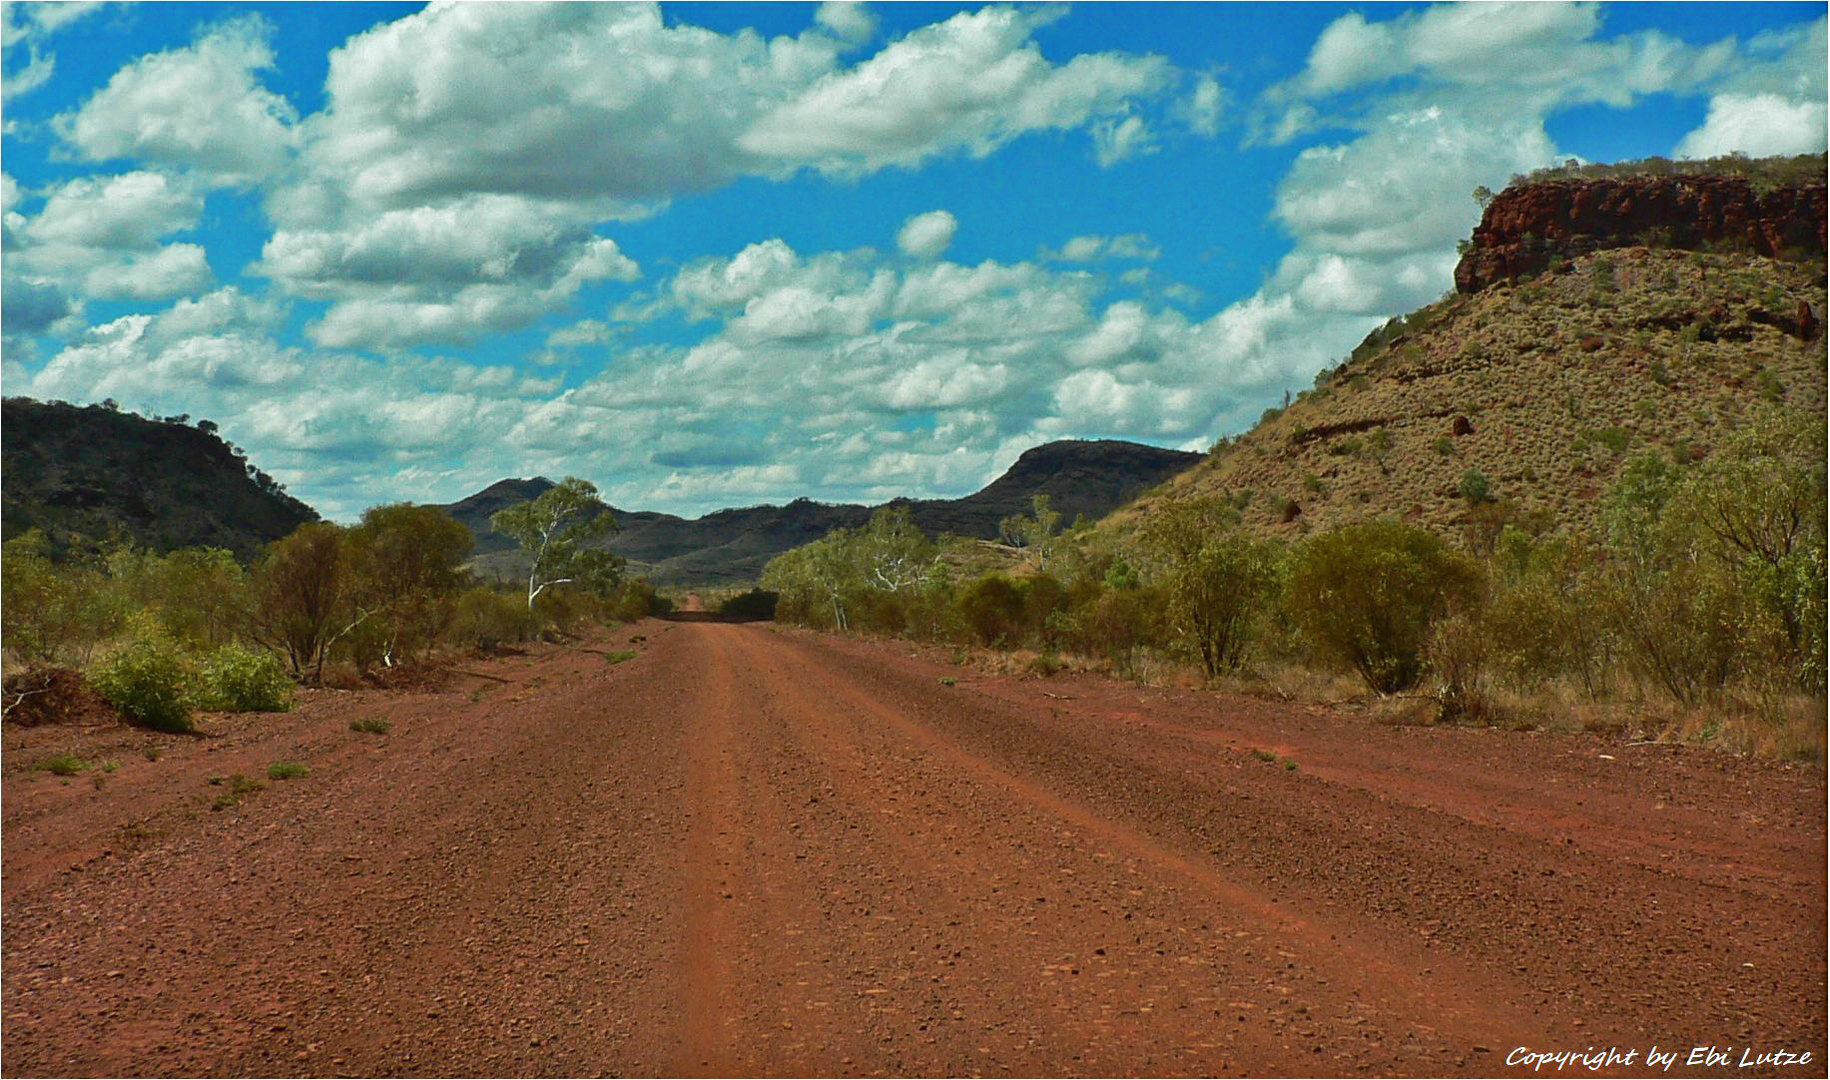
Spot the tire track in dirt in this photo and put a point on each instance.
(1440, 1008)
(712, 871)
(948, 882)
(1623, 952)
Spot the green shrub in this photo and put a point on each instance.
(150, 681)
(621, 655)
(1043, 598)
(1217, 582)
(488, 619)
(1475, 488)
(238, 787)
(637, 599)
(288, 770)
(237, 680)
(1368, 594)
(62, 764)
(371, 725)
(992, 607)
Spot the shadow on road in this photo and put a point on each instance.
(712, 616)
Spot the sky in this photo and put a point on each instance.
(709, 255)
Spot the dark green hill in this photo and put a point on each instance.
(78, 472)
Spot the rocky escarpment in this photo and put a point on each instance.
(1531, 227)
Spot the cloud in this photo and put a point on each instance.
(971, 83)
(474, 266)
(1202, 108)
(33, 307)
(1118, 140)
(36, 73)
(925, 236)
(852, 22)
(103, 236)
(28, 26)
(583, 332)
(196, 108)
(1097, 248)
(172, 270)
(1500, 60)
(1774, 105)
(467, 153)
(1760, 125)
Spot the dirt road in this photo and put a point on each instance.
(755, 851)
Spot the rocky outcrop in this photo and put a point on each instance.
(1527, 229)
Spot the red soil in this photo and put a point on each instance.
(767, 852)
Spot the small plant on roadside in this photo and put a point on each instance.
(288, 770)
(150, 681)
(236, 788)
(109, 766)
(237, 680)
(154, 753)
(1289, 766)
(371, 725)
(63, 764)
(948, 680)
(1264, 755)
(621, 655)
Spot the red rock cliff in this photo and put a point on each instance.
(1526, 228)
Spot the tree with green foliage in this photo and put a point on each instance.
(556, 530)
(1717, 571)
(1037, 533)
(54, 611)
(1368, 594)
(1217, 581)
(406, 564)
(891, 551)
(305, 597)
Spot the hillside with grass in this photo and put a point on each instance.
(1524, 401)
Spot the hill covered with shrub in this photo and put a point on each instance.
(1525, 399)
(84, 471)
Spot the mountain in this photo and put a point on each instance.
(1571, 347)
(729, 546)
(78, 471)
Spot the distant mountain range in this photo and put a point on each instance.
(730, 546)
(78, 472)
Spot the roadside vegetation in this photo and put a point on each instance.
(1696, 607)
(163, 636)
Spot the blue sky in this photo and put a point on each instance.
(709, 255)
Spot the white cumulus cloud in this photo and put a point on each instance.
(198, 107)
(925, 236)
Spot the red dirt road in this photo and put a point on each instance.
(753, 851)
